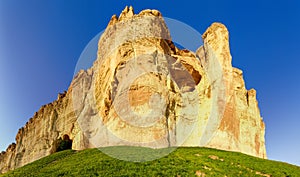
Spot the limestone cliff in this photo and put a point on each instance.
(144, 91)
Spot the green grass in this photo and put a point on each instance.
(183, 161)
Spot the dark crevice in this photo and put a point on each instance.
(167, 124)
(64, 143)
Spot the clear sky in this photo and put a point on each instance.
(41, 41)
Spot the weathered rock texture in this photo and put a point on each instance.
(143, 91)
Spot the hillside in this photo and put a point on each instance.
(183, 161)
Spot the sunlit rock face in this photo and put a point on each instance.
(241, 125)
(144, 91)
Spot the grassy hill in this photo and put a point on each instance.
(183, 161)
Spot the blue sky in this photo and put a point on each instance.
(41, 41)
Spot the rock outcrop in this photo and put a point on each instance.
(144, 91)
(241, 124)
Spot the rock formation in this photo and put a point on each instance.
(144, 91)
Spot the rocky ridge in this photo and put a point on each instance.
(144, 91)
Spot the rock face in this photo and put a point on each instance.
(241, 124)
(144, 91)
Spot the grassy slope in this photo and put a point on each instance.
(184, 161)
